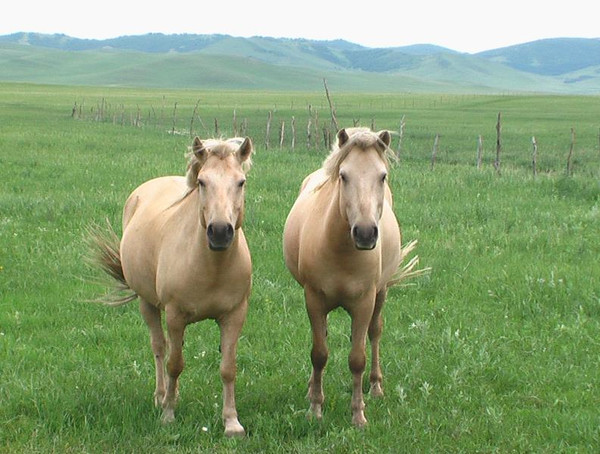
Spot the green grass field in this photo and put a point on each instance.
(495, 351)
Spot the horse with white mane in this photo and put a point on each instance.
(342, 243)
(183, 252)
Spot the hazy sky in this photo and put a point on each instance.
(462, 25)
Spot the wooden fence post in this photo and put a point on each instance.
(269, 118)
(327, 137)
(331, 108)
(400, 136)
(293, 145)
(317, 140)
(570, 156)
(244, 131)
(174, 119)
(235, 126)
(534, 159)
(281, 134)
(435, 150)
(479, 151)
(194, 113)
(498, 143)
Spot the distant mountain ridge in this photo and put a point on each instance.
(562, 65)
(549, 57)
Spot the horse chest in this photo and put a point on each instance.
(205, 291)
(341, 277)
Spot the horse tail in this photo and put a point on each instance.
(104, 245)
(407, 271)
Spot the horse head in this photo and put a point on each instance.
(362, 175)
(217, 169)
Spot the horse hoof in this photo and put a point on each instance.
(376, 390)
(359, 421)
(168, 417)
(316, 411)
(235, 430)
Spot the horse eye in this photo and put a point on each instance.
(201, 183)
(384, 177)
(241, 183)
(343, 177)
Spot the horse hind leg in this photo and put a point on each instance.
(152, 317)
(230, 327)
(319, 352)
(375, 330)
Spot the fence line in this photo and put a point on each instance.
(318, 136)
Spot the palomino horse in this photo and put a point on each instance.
(183, 251)
(342, 243)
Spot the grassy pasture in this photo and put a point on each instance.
(496, 351)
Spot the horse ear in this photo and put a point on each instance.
(245, 150)
(198, 149)
(385, 138)
(342, 137)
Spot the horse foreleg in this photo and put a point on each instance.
(175, 363)
(231, 326)
(361, 317)
(152, 317)
(318, 322)
(375, 330)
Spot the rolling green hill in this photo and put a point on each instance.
(226, 62)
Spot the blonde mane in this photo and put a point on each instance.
(216, 147)
(362, 138)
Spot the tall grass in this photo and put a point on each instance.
(495, 351)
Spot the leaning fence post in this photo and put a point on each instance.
(194, 114)
(400, 136)
(331, 108)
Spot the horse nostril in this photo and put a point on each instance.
(219, 235)
(365, 236)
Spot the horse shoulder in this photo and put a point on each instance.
(143, 218)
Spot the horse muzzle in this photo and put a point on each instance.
(220, 235)
(365, 236)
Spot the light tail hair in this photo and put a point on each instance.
(409, 270)
(104, 253)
